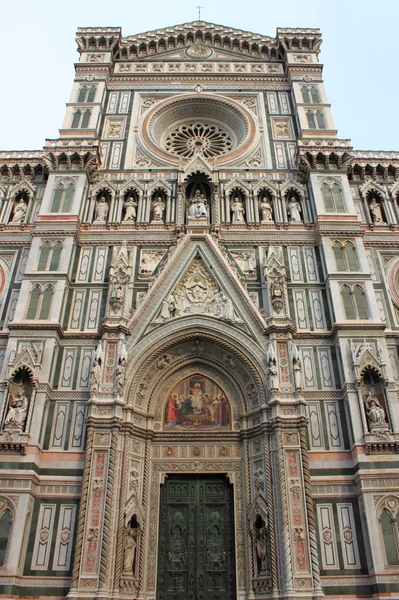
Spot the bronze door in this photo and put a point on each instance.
(196, 539)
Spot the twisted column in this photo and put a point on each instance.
(146, 478)
(83, 506)
(270, 502)
(106, 554)
(247, 479)
(285, 533)
(121, 516)
(310, 513)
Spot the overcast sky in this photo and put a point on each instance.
(359, 51)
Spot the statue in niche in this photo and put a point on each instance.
(159, 209)
(101, 212)
(297, 366)
(277, 293)
(261, 543)
(237, 210)
(259, 481)
(375, 211)
(375, 413)
(20, 211)
(129, 551)
(120, 374)
(95, 375)
(272, 374)
(266, 211)
(294, 210)
(17, 411)
(130, 206)
(198, 206)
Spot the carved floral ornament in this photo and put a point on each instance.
(180, 128)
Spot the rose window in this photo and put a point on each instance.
(202, 138)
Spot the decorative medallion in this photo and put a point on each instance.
(198, 51)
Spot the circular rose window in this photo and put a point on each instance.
(202, 138)
(186, 126)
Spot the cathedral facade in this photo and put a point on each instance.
(199, 312)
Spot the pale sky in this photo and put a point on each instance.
(359, 51)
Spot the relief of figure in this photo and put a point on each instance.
(266, 211)
(101, 212)
(375, 412)
(246, 261)
(237, 210)
(223, 307)
(19, 212)
(197, 209)
(159, 209)
(95, 375)
(17, 411)
(294, 210)
(375, 211)
(129, 551)
(168, 308)
(130, 206)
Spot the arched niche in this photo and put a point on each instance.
(196, 403)
(19, 398)
(373, 394)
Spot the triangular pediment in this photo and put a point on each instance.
(197, 282)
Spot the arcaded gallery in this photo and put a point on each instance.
(199, 319)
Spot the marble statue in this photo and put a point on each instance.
(17, 411)
(19, 212)
(198, 209)
(294, 210)
(237, 211)
(129, 551)
(266, 211)
(159, 209)
(130, 209)
(375, 412)
(375, 211)
(101, 213)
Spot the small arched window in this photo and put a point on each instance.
(333, 197)
(47, 296)
(76, 119)
(81, 119)
(390, 537)
(351, 257)
(339, 256)
(34, 302)
(347, 299)
(82, 94)
(91, 94)
(311, 120)
(40, 302)
(360, 302)
(321, 124)
(306, 95)
(85, 120)
(44, 257)
(55, 258)
(62, 198)
(5, 530)
(314, 92)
